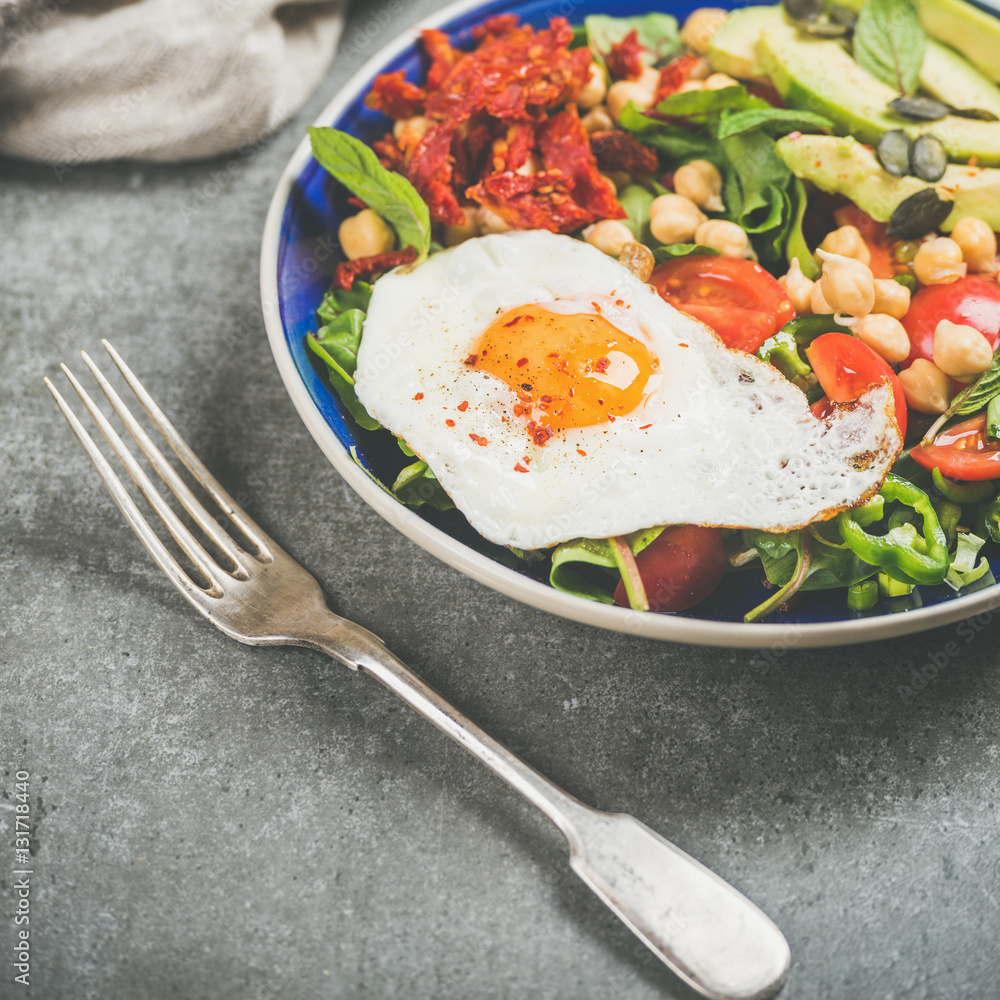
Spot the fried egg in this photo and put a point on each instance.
(555, 396)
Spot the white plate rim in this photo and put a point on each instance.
(665, 627)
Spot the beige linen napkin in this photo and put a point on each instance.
(84, 80)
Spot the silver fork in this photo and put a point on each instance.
(711, 935)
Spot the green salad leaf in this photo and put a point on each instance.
(774, 121)
(889, 43)
(796, 247)
(699, 104)
(980, 393)
(572, 560)
(356, 166)
(636, 201)
(417, 484)
(660, 254)
(964, 569)
(657, 33)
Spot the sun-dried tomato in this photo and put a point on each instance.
(619, 150)
(395, 96)
(624, 61)
(443, 56)
(496, 27)
(538, 201)
(389, 153)
(367, 267)
(430, 169)
(565, 146)
(673, 75)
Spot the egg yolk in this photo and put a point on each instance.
(573, 370)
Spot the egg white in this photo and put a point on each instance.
(731, 441)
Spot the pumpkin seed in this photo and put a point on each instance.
(919, 109)
(928, 159)
(980, 114)
(824, 27)
(843, 15)
(893, 152)
(804, 10)
(918, 215)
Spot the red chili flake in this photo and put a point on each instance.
(471, 359)
(526, 460)
(464, 405)
(419, 395)
(624, 61)
(682, 345)
(612, 418)
(450, 423)
(645, 427)
(602, 365)
(514, 321)
(600, 402)
(520, 410)
(368, 267)
(580, 451)
(619, 302)
(519, 468)
(597, 307)
(554, 354)
(545, 399)
(572, 391)
(522, 362)
(481, 441)
(540, 435)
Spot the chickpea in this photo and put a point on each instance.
(609, 236)
(453, 235)
(489, 222)
(926, 387)
(939, 262)
(961, 351)
(409, 131)
(728, 238)
(691, 85)
(847, 284)
(365, 235)
(700, 181)
(700, 26)
(848, 242)
(978, 243)
(818, 305)
(719, 81)
(594, 90)
(597, 119)
(798, 287)
(650, 78)
(885, 335)
(624, 91)
(891, 298)
(674, 219)
(701, 70)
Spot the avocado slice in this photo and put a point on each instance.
(949, 77)
(968, 29)
(818, 74)
(733, 48)
(845, 166)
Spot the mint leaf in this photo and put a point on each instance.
(775, 121)
(889, 43)
(356, 166)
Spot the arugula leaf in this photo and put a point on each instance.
(657, 33)
(775, 121)
(570, 577)
(636, 201)
(390, 194)
(889, 43)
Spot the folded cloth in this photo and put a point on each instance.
(84, 80)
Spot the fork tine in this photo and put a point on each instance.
(168, 474)
(194, 464)
(130, 510)
(194, 550)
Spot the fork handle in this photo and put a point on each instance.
(710, 934)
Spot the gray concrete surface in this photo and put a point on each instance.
(214, 822)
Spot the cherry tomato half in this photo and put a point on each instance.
(845, 367)
(737, 298)
(680, 568)
(962, 452)
(973, 301)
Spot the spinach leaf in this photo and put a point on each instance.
(796, 247)
(774, 121)
(390, 194)
(337, 344)
(416, 485)
(657, 33)
(889, 43)
(636, 200)
(569, 562)
(337, 301)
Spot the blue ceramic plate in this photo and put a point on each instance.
(297, 261)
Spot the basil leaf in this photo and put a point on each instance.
(390, 194)
(889, 43)
(980, 393)
(636, 201)
(657, 33)
(775, 121)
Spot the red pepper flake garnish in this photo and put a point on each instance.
(597, 308)
(519, 468)
(481, 441)
(450, 423)
(540, 435)
(368, 267)
(419, 395)
(554, 354)
(572, 391)
(471, 359)
(463, 406)
(522, 362)
(645, 427)
(580, 451)
(602, 365)
(514, 321)
(682, 345)
(619, 302)
(545, 399)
